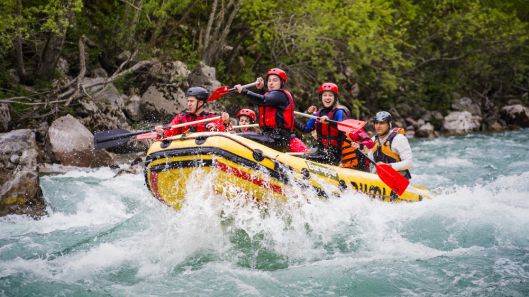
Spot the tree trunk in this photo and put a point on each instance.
(50, 56)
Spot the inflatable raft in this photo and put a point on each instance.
(239, 166)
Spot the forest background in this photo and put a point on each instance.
(409, 55)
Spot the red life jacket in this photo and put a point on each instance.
(273, 117)
(329, 135)
(190, 117)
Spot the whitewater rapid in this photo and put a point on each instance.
(107, 235)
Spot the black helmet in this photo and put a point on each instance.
(198, 92)
(383, 116)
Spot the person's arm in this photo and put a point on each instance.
(219, 125)
(402, 147)
(310, 125)
(340, 116)
(173, 131)
(274, 98)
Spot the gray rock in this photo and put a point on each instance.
(99, 72)
(20, 192)
(12, 75)
(461, 122)
(411, 121)
(204, 76)
(103, 110)
(426, 131)
(514, 102)
(159, 103)
(175, 73)
(63, 67)
(72, 144)
(493, 124)
(5, 117)
(466, 104)
(132, 108)
(517, 115)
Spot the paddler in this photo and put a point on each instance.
(391, 146)
(276, 110)
(196, 101)
(329, 138)
(246, 116)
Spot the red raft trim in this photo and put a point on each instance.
(248, 177)
(154, 185)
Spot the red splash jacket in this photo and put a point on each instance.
(216, 125)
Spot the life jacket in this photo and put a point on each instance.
(273, 117)
(190, 117)
(384, 153)
(352, 158)
(329, 135)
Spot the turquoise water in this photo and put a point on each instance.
(107, 236)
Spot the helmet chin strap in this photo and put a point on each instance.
(199, 107)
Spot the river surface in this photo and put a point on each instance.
(107, 236)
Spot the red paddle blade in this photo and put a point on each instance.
(351, 125)
(392, 178)
(150, 135)
(218, 93)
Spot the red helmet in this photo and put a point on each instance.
(276, 71)
(329, 87)
(247, 112)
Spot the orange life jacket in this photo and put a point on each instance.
(382, 152)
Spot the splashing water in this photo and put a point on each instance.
(109, 236)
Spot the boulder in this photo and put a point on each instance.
(461, 122)
(493, 124)
(204, 76)
(132, 108)
(516, 115)
(162, 103)
(103, 110)
(173, 74)
(5, 117)
(466, 104)
(20, 191)
(72, 144)
(426, 131)
(433, 117)
(412, 122)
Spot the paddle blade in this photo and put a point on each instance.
(111, 138)
(218, 93)
(392, 178)
(350, 125)
(150, 135)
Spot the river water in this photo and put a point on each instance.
(107, 236)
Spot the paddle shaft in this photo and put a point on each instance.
(243, 86)
(317, 118)
(246, 126)
(150, 135)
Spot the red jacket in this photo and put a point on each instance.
(216, 125)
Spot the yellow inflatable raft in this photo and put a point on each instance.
(239, 166)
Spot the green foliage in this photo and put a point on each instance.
(381, 53)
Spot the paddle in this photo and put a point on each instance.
(246, 126)
(151, 135)
(111, 138)
(221, 91)
(391, 177)
(346, 126)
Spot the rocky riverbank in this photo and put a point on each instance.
(153, 96)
